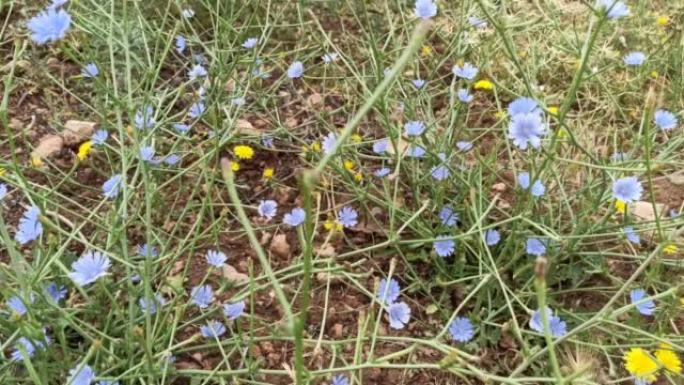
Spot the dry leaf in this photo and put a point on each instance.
(401, 145)
(315, 100)
(279, 246)
(233, 275)
(48, 146)
(326, 251)
(243, 126)
(76, 131)
(499, 187)
(677, 178)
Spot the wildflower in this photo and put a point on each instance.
(329, 143)
(55, 292)
(172, 159)
(81, 375)
(197, 71)
(29, 228)
(196, 109)
(668, 359)
(148, 305)
(399, 315)
(234, 310)
(468, 71)
(665, 120)
(640, 364)
(386, 72)
(662, 20)
(616, 9)
(418, 83)
(250, 43)
(526, 128)
(553, 110)
(17, 305)
(464, 96)
(415, 151)
(181, 128)
(49, 25)
(492, 237)
(238, 101)
(461, 329)
(557, 327)
(267, 141)
(295, 217)
(634, 59)
(535, 246)
(90, 70)
(99, 137)
(620, 206)
(425, 51)
(235, 166)
(440, 173)
(523, 105)
(267, 209)
(329, 57)
(340, 380)
(670, 249)
(483, 84)
(537, 189)
(296, 70)
(631, 235)
(477, 22)
(380, 147)
(388, 291)
(627, 189)
(3, 191)
(448, 216)
(202, 296)
(382, 172)
(347, 216)
(348, 165)
(315, 147)
(146, 153)
(188, 13)
(89, 267)
(243, 151)
(145, 250)
(646, 307)
(180, 43)
(213, 329)
(57, 3)
(267, 173)
(28, 345)
(443, 246)
(464, 145)
(144, 118)
(216, 258)
(425, 9)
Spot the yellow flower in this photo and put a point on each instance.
(562, 133)
(501, 115)
(553, 110)
(36, 161)
(640, 364)
(349, 165)
(483, 85)
(662, 20)
(681, 302)
(243, 152)
(331, 225)
(316, 147)
(356, 138)
(668, 359)
(620, 206)
(268, 173)
(2, 172)
(235, 166)
(358, 176)
(84, 150)
(670, 249)
(129, 130)
(654, 74)
(425, 51)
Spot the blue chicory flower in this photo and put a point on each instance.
(144, 118)
(631, 235)
(29, 228)
(414, 128)
(492, 237)
(647, 307)
(523, 105)
(250, 43)
(557, 327)
(616, 9)
(443, 246)
(146, 153)
(267, 209)
(634, 58)
(202, 296)
(55, 292)
(464, 96)
(81, 375)
(399, 315)
(526, 129)
(388, 291)
(295, 217)
(197, 71)
(213, 329)
(90, 70)
(296, 70)
(382, 172)
(340, 380)
(329, 57)
(535, 246)
(99, 137)
(467, 71)
(461, 329)
(347, 216)
(196, 109)
(329, 143)
(380, 147)
(665, 120)
(418, 83)
(151, 304)
(425, 9)
(181, 43)
(89, 267)
(448, 216)
(50, 25)
(234, 310)
(627, 189)
(216, 258)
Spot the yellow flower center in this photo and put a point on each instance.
(243, 151)
(84, 150)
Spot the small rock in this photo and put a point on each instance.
(326, 251)
(336, 330)
(233, 275)
(677, 178)
(644, 210)
(77, 131)
(315, 100)
(279, 246)
(49, 145)
(499, 187)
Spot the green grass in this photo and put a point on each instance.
(312, 312)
